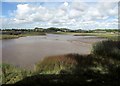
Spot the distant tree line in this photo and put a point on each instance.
(53, 29)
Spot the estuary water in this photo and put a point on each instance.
(26, 51)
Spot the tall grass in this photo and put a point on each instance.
(56, 64)
(74, 64)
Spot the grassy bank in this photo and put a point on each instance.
(9, 36)
(111, 36)
(108, 35)
(5, 36)
(101, 67)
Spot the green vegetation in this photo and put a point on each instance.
(71, 64)
(56, 64)
(103, 55)
(8, 36)
(101, 67)
(12, 74)
(108, 49)
(32, 34)
(111, 36)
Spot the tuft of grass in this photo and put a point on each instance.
(12, 74)
(55, 64)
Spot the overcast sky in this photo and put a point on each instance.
(72, 15)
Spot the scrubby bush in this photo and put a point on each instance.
(109, 49)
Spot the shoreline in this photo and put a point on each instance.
(6, 36)
(99, 35)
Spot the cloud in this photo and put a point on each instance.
(66, 4)
(66, 14)
(60, 0)
(31, 13)
(81, 6)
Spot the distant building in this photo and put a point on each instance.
(100, 31)
(38, 29)
(58, 31)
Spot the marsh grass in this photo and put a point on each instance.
(54, 64)
(88, 70)
(109, 36)
(66, 70)
(12, 74)
(5, 36)
(74, 64)
(9, 36)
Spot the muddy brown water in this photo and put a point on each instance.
(26, 51)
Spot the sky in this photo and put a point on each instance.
(65, 14)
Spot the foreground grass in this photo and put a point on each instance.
(70, 69)
(75, 64)
(12, 74)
